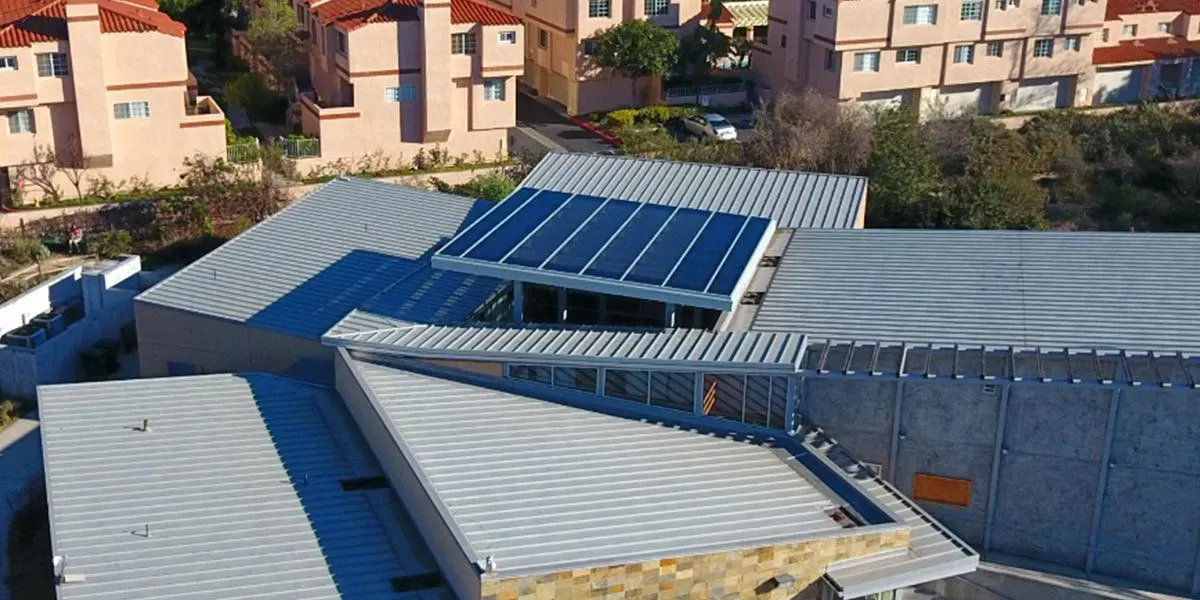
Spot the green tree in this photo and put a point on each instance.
(272, 32)
(491, 186)
(111, 244)
(636, 49)
(979, 202)
(700, 50)
(904, 177)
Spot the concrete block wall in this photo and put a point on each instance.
(1104, 479)
(735, 574)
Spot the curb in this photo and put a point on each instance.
(598, 133)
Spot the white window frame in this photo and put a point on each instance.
(136, 109)
(971, 11)
(1164, 27)
(1043, 48)
(599, 9)
(1051, 7)
(1129, 31)
(1074, 43)
(866, 62)
(920, 14)
(24, 125)
(827, 11)
(655, 7)
(405, 93)
(830, 60)
(507, 37)
(964, 54)
(1104, 34)
(52, 64)
(463, 44)
(494, 89)
(908, 56)
(343, 42)
(995, 49)
(8, 63)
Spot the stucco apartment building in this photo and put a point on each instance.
(395, 77)
(1148, 50)
(104, 84)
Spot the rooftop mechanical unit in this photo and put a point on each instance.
(28, 336)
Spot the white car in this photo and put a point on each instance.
(710, 125)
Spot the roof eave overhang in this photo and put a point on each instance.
(861, 587)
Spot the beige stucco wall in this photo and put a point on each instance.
(734, 574)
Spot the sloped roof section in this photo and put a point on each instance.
(24, 23)
(302, 270)
(1115, 8)
(747, 14)
(616, 348)
(1146, 50)
(1082, 290)
(353, 14)
(793, 199)
(545, 487)
(249, 504)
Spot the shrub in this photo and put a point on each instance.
(10, 411)
(247, 91)
(112, 244)
(654, 114)
(490, 186)
(622, 118)
(27, 250)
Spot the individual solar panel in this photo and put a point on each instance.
(512, 232)
(591, 238)
(547, 238)
(661, 256)
(463, 241)
(737, 261)
(625, 248)
(707, 252)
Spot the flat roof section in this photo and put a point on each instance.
(545, 487)
(236, 491)
(792, 199)
(667, 254)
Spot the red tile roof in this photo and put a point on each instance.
(23, 22)
(1146, 51)
(725, 18)
(1116, 8)
(353, 14)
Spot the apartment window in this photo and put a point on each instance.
(599, 9)
(1104, 35)
(1164, 28)
(812, 9)
(543, 38)
(828, 11)
(971, 11)
(1051, 7)
(830, 60)
(908, 56)
(964, 53)
(739, 33)
(924, 14)
(760, 34)
(20, 121)
(783, 41)
(657, 7)
(341, 40)
(8, 63)
(1007, 4)
(1073, 43)
(1129, 31)
(52, 64)
(493, 89)
(589, 47)
(1043, 48)
(403, 94)
(462, 43)
(866, 61)
(995, 49)
(131, 110)
(508, 37)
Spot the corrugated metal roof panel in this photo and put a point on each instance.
(626, 348)
(304, 269)
(239, 482)
(993, 288)
(542, 486)
(793, 199)
(747, 14)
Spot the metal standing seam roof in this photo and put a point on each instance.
(650, 251)
(302, 270)
(933, 553)
(238, 480)
(593, 347)
(990, 288)
(793, 199)
(543, 487)
(748, 14)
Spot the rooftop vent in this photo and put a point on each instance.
(843, 517)
(363, 483)
(769, 261)
(752, 298)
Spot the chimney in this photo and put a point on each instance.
(86, 72)
(436, 80)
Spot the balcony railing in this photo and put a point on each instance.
(300, 147)
(704, 90)
(242, 153)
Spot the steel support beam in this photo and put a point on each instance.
(518, 302)
(998, 450)
(897, 410)
(1102, 479)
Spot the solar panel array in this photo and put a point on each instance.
(641, 245)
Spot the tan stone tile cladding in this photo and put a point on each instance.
(737, 574)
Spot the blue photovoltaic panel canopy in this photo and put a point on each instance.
(650, 251)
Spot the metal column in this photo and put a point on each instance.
(518, 302)
(1102, 480)
(994, 481)
(897, 411)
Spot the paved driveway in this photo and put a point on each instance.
(556, 127)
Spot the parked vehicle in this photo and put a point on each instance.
(710, 125)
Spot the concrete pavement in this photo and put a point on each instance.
(555, 127)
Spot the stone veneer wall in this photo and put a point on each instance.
(735, 574)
